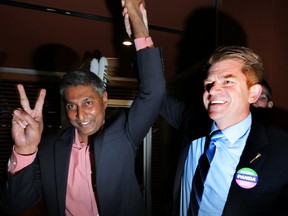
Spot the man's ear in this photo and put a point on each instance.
(255, 92)
(270, 104)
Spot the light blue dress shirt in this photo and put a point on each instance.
(221, 172)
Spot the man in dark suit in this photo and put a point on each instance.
(244, 170)
(248, 173)
(87, 169)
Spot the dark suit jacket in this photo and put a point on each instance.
(270, 195)
(118, 192)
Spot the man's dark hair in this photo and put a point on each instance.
(265, 84)
(76, 78)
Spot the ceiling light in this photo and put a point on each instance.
(127, 43)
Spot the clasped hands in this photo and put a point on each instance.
(135, 18)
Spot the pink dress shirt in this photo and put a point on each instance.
(80, 199)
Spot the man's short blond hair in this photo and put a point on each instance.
(252, 63)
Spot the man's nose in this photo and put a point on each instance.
(80, 113)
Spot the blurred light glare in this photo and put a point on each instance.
(127, 43)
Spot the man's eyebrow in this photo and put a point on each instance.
(87, 98)
(229, 76)
(222, 77)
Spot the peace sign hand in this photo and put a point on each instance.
(27, 123)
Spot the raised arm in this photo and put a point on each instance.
(145, 108)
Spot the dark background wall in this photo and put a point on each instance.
(262, 24)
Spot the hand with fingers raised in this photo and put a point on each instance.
(27, 123)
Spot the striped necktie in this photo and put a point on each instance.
(201, 172)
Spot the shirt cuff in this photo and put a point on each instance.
(141, 43)
(18, 162)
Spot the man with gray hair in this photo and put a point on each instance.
(87, 169)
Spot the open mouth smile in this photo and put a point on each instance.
(84, 124)
(217, 102)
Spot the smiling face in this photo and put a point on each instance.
(227, 96)
(85, 109)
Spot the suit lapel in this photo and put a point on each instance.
(188, 138)
(180, 166)
(95, 154)
(257, 144)
(96, 146)
(63, 148)
(254, 152)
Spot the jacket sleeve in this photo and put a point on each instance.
(21, 190)
(146, 106)
(172, 111)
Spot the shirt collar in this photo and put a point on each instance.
(234, 132)
(77, 143)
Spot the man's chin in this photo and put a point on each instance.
(215, 115)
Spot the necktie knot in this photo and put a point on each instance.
(215, 135)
